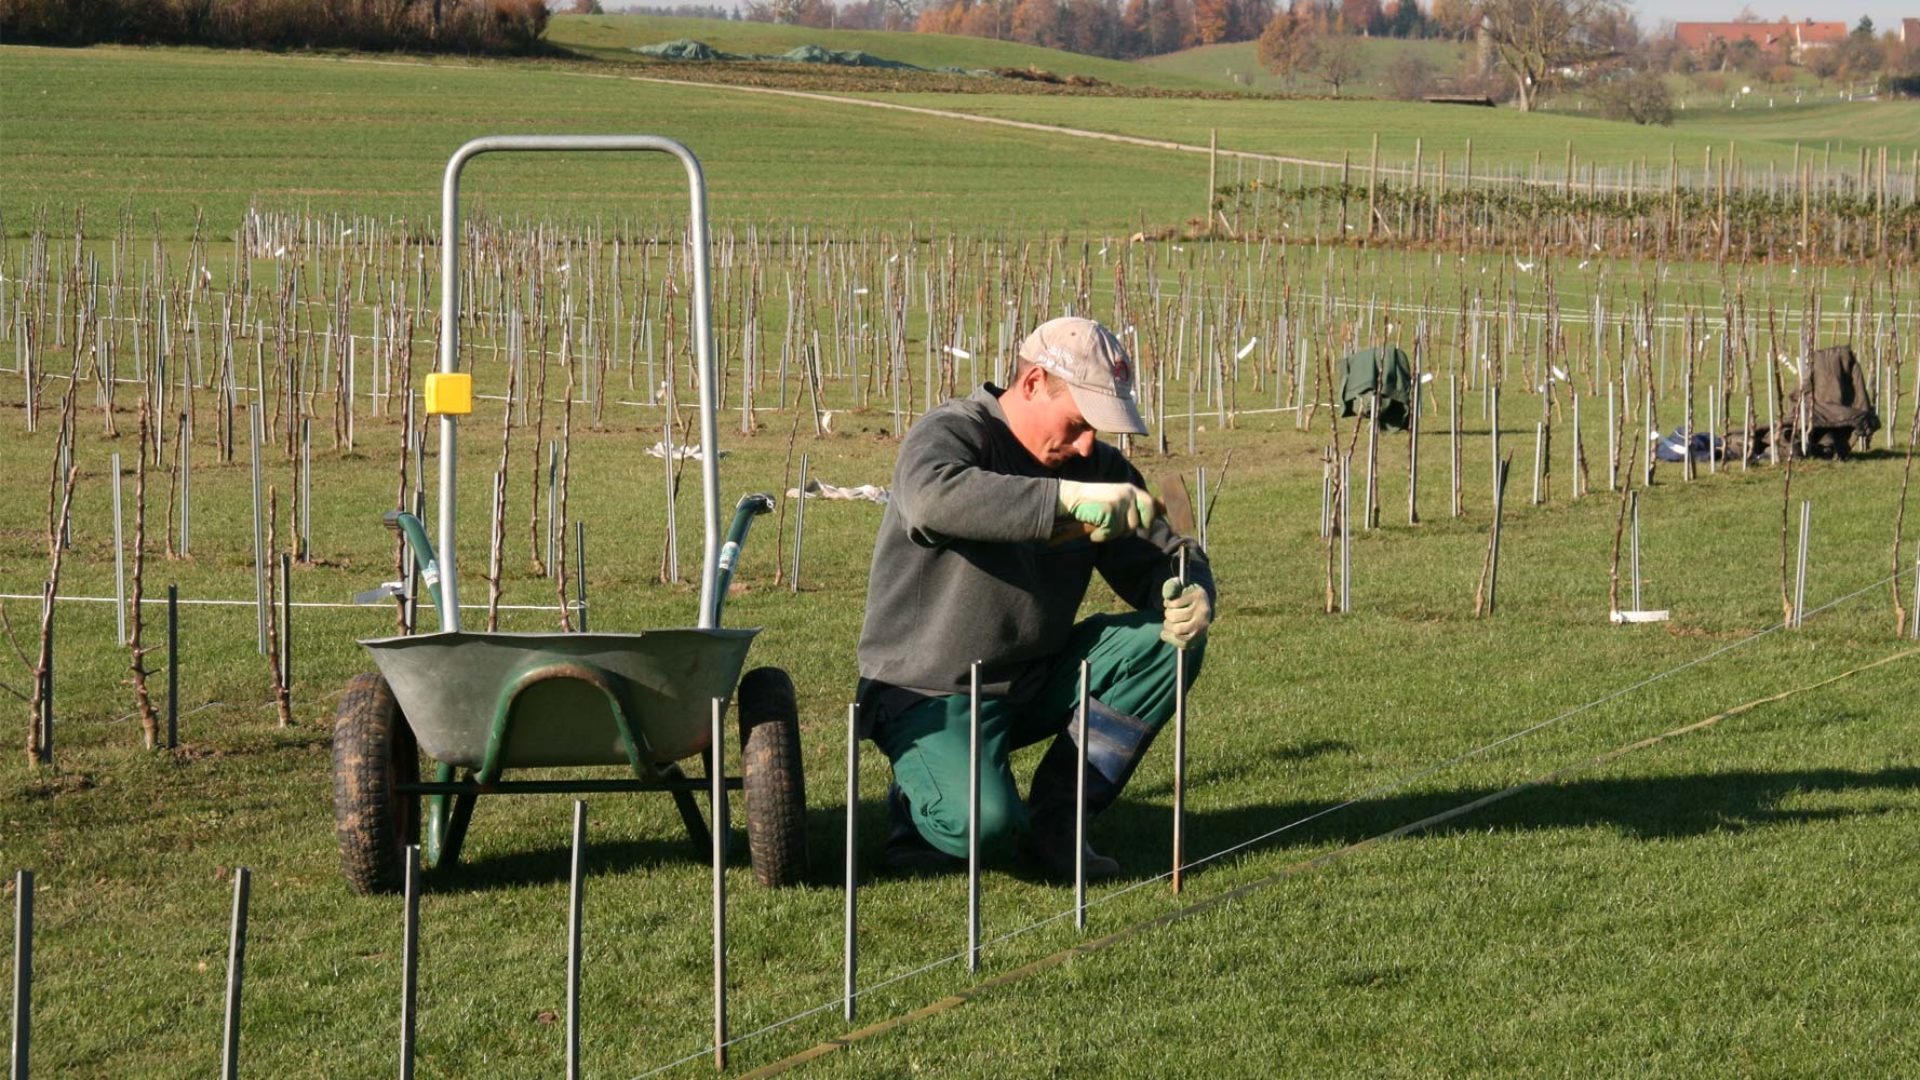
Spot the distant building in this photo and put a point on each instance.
(1785, 39)
(1910, 31)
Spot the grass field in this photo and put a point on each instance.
(171, 131)
(1741, 900)
(1238, 65)
(613, 37)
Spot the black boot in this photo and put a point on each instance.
(907, 852)
(1118, 743)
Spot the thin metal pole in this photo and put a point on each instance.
(173, 666)
(1326, 497)
(1080, 807)
(1633, 557)
(119, 562)
(973, 817)
(22, 972)
(717, 796)
(259, 524)
(304, 543)
(799, 524)
(1346, 534)
(575, 893)
(1800, 567)
(1413, 452)
(1916, 591)
(1180, 752)
(1499, 512)
(1539, 457)
(850, 940)
(410, 962)
(286, 621)
(46, 692)
(185, 450)
(580, 569)
(236, 971)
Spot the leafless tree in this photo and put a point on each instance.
(1537, 39)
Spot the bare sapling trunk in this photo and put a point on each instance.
(1900, 524)
(494, 564)
(1619, 527)
(539, 388)
(780, 530)
(137, 665)
(59, 488)
(1786, 583)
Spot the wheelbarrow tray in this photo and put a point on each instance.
(493, 701)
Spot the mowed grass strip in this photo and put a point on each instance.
(1745, 891)
(164, 131)
(614, 37)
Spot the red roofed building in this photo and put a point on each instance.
(1819, 35)
(1910, 31)
(1784, 38)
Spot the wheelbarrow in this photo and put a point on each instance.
(481, 704)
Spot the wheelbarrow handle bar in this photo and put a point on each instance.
(416, 533)
(748, 508)
(449, 362)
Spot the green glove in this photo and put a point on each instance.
(1188, 613)
(1113, 510)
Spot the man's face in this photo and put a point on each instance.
(1060, 432)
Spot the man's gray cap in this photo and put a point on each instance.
(1096, 369)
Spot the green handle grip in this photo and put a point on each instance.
(748, 508)
(416, 533)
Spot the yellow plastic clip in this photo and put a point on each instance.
(449, 394)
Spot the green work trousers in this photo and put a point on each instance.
(1130, 671)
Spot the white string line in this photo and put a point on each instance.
(1376, 790)
(571, 605)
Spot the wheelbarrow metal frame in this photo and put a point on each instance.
(702, 340)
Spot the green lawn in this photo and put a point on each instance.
(170, 130)
(1238, 65)
(1743, 900)
(613, 37)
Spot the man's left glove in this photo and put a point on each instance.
(1188, 613)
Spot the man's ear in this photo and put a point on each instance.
(1027, 381)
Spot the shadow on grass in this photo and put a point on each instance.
(1657, 808)
(1137, 832)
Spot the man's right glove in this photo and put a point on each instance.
(1188, 613)
(1113, 510)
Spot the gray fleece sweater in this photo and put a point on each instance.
(962, 570)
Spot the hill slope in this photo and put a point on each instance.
(615, 36)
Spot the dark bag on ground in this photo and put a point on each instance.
(1384, 369)
(1833, 403)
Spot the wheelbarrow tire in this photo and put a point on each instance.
(771, 778)
(373, 753)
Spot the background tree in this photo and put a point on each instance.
(1211, 20)
(1336, 59)
(1535, 39)
(1457, 19)
(1409, 77)
(1639, 96)
(1285, 47)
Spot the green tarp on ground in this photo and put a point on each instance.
(690, 49)
(1387, 369)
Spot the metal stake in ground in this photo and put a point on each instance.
(1800, 563)
(236, 971)
(850, 939)
(1633, 558)
(286, 621)
(973, 818)
(575, 892)
(717, 798)
(22, 971)
(119, 562)
(1080, 807)
(410, 961)
(1179, 750)
(799, 523)
(173, 667)
(259, 529)
(580, 570)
